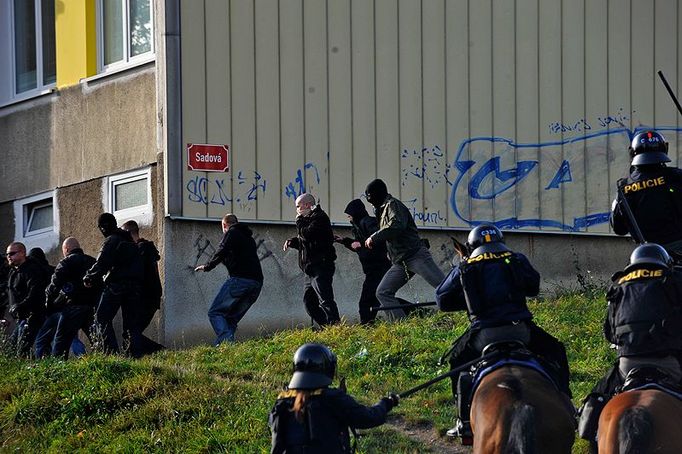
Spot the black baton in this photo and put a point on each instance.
(452, 372)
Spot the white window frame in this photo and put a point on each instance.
(127, 61)
(143, 214)
(46, 238)
(41, 87)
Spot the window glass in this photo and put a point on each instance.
(24, 45)
(39, 216)
(140, 27)
(112, 15)
(49, 60)
(130, 194)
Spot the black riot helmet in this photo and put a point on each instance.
(314, 367)
(376, 192)
(106, 222)
(485, 238)
(648, 147)
(650, 254)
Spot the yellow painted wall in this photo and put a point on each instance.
(76, 40)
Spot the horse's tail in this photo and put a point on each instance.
(635, 429)
(522, 425)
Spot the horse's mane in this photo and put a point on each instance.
(635, 430)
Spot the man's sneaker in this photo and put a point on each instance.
(462, 430)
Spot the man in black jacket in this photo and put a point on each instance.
(119, 260)
(26, 291)
(151, 286)
(316, 256)
(71, 303)
(237, 251)
(374, 261)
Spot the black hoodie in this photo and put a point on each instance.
(237, 251)
(363, 226)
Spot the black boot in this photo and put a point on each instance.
(462, 427)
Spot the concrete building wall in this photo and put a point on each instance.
(79, 133)
(189, 294)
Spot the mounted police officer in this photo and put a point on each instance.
(313, 418)
(644, 322)
(653, 192)
(492, 284)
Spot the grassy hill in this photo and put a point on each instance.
(217, 399)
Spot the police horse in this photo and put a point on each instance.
(517, 408)
(644, 419)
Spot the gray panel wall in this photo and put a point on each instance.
(514, 112)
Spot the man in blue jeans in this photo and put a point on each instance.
(237, 251)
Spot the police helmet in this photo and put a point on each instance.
(314, 367)
(650, 254)
(648, 147)
(485, 238)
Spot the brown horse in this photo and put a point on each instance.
(645, 421)
(517, 410)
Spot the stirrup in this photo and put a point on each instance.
(462, 430)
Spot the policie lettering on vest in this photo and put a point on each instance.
(640, 274)
(645, 184)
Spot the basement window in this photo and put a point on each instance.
(129, 196)
(36, 219)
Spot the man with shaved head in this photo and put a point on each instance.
(72, 305)
(316, 256)
(237, 251)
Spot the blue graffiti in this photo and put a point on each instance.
(198, 189)
(429, 217)
(490, 172)
(427, 164)
(563, 175)
(489, 178)
(298, 186)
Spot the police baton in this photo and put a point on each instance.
(636, 233)
(670, 91)
(441, 377)
(402, 306)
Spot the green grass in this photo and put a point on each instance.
(217, 399)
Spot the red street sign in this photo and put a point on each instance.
(207, 158)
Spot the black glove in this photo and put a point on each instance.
(391, 401)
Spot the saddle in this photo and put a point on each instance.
(651, 377)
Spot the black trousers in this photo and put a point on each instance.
(368, 297)
(24, 334)
(59, 330)
(124, 296)
(541, 343)
(318, 294)
(143, 317)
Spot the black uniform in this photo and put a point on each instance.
(120, 260)
(644, 320)
(4, 276)
(151, 292)
(70, 303)
(329, 414)
(492, 287)
(26, 295)
(316, 256)
(374, 261)
(654, 193)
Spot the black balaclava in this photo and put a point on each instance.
(106, 223)
(376, 192)
(356, 209)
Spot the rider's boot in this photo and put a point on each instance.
(462, 427)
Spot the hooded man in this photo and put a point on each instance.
(408, 254)
(121, 263)
(237, 251)
(316, 256)
(374, 261)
